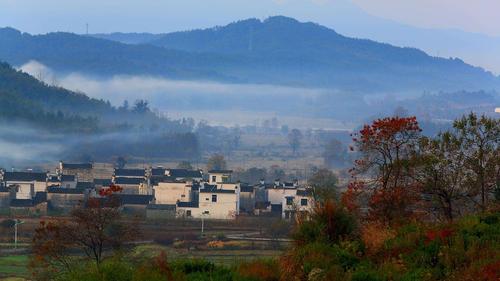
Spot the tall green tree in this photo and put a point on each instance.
(443, 175)
(479, 138)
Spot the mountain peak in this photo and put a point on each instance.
(280, 20)
(9, 31)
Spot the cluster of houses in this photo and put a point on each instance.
(156, 192)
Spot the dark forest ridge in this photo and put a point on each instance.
(278, 50)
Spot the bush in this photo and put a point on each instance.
(259, 270)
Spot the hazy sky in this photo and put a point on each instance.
(41, 16)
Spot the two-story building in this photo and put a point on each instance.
(24, 185)
(301, 202)
(213, 203)
(171, 192)
(82, 171)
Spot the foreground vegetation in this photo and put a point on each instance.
(331, 246)
(416, 209)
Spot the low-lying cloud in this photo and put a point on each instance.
(119, 88)
(245, 104)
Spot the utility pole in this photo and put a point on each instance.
(16, 223)
(203, 222)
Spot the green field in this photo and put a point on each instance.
(13, 266)
(217, 256)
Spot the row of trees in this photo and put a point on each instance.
(402, 173)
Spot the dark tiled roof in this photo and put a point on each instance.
(20, 203)
(135, 199)
(130, 172)
(84, 185)
(211, 190)
(166, 207)
(102, 182)
(187, 204)
(157, 179)
(25, 176)
(53, 179)
(220, 171)
(306, 192)
(61, 190)
(158, 171)
(246, 188)
(122, 180)
(75, 166)
(67, 178)
(265, 185)
(184, 173)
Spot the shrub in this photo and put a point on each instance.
(259, 270)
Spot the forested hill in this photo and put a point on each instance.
(51, 98)
(278, 50)
(23, 98)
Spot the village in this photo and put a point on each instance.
(151, 192)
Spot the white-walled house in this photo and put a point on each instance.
(213, 203)
(172, 192)
(275, 194)
(302, 201)
(26, 184)
(219, 176)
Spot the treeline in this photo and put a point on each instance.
(14, 110)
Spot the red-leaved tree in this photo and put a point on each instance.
(385, 170)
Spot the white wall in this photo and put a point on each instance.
(276, 195)
(170, 192)
(226, 207)
(24, 190)
(219, 177)
(296, 205)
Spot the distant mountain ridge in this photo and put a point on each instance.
(278, 50)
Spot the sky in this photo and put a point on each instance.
(158, 16)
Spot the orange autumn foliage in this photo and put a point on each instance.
(374, 235)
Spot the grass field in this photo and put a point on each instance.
(13, 266)
(217, 256)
